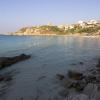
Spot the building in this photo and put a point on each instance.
(61, 26)
(82, 24)
(92, 22)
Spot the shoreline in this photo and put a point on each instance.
(95, 36)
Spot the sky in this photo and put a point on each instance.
(15, 14)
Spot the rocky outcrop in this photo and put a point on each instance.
(77, 97)
(86, 85)
(91, 90)
(60, 77)
(98, 64)
(89, 93)
(8, 61)
(75, 75)
(5, 78)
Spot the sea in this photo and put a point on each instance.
(35, 79)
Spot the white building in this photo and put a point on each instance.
(82, 24)
(66, 27)
(92, 22)
(61, 26)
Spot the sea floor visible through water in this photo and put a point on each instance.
(35, 79)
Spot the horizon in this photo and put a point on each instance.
(16, 14)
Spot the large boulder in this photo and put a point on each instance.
(8, 61)
(98, 64)
(60, 76)
(75, 75)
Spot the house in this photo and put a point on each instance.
(82, 24)
(92, 22)
(61, 26)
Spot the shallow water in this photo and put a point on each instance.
(35, 79)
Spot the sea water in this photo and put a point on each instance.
(35, 79)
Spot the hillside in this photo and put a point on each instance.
(93, 29)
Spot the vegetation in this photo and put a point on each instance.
(53, 29)
(23, 29)
(46, 29)
(81, 30)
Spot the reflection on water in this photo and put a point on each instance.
(34, 79)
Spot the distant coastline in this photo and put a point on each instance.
(91, 28)
(49, 35)
(71, 35)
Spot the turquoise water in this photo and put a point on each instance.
(35, 78)
(14, 43)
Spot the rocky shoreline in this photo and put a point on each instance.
(8, 61)
(77, 85)
(82, 86)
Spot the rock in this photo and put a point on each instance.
(5, 78)
(80, 85)
(98, 64)
(75, 75)
(1, 78)
(77, 97)
(90, 79)
(60, 77)
(81, 63)
(8, 61)
(91, 90)
(8, 78)
(93, 71)
(77, 85)
(68, 83)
